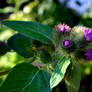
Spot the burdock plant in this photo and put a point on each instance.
(53, 55)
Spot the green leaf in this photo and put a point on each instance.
(59, 72)
(26, 78)
(73, 80)
(33, 30)
(22, 45)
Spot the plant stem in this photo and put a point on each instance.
(4, 73)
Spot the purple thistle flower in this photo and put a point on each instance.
(88, 35)
(67, 43)
(89, 55)
(63, 27)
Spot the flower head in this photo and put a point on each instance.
(78, 31)
(89, 55)
(88, 34)
(67, 43)
(63, 27)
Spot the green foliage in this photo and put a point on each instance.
(26, 78)
(61, 15)
(46, 12)
(87, 22)
(59, 72)
(22, 45)
(17, 3)
(45, 55)
(33, 30)
(7, 10)
(73, 79)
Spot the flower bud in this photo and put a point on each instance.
(88, 35)
(63, 28)
(89, 55)
(67, 43)
(77, 35)
(78, 32)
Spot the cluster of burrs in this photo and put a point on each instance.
(78, 40)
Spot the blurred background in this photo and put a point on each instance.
(50, 12)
